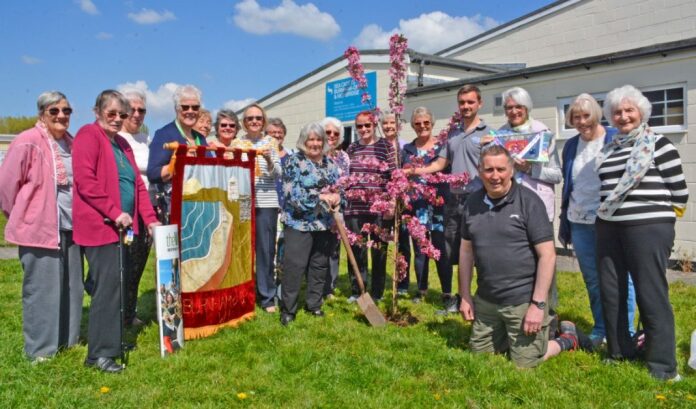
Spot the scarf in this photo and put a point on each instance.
(61, 173)
(637, 165)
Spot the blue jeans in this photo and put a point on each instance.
(266, 226)
(583, 236)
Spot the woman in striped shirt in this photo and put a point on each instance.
(268, 167)
(643, 191)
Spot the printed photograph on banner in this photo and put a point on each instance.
(169, 313)
(533, 146)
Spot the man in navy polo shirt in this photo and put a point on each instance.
(506, 233)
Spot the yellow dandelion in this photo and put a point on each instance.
(242, 396)
(661, 397)
(104, 389)
(690, 397)
(437, 396)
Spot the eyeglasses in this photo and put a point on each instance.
(422, 124)
(333, 133)
(141, 111)
(54, 111)
(509, 108)
(114, 114)
(253, 118)
(366, 126)
(231, 126)
(185, 108)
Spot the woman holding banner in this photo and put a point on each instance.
(109, 195)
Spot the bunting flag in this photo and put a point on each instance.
(213, 203)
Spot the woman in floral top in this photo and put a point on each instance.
(422, 151)
(308, 237)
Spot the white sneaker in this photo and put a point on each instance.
(352, 299)
(677, 378)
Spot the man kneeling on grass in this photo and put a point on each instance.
(507, 234)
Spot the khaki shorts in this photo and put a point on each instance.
(498, 329)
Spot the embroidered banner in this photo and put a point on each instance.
(212, 202)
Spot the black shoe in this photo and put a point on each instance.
(286, 318)
(104, 364)
(451, 305)
(316, 313)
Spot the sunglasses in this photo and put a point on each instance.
(333, 133)
(421, 124)
(253, 118)
(366, 126)
(114, 114)
(141, 111)
(231, 126)
(193, 108)
(54, 111)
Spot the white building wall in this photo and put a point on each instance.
(589, 28)
(546, 90)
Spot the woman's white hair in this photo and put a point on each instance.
(584, 103)
(309, 129)
(630, 94)
(336, 123)
(134, 94)
(519, 95)
(422, 111)
(186, 92)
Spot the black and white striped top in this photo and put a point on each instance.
(662, 188)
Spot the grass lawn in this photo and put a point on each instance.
(338, 361)
(3, 221)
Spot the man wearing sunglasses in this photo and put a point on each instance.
(187, 103)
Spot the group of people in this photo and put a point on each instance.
(621, 185)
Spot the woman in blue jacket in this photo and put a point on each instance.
(580, 200)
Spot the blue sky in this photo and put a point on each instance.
(234, 51)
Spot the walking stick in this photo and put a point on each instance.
(121, 255)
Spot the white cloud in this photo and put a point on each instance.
(237, 104)
(428, 32)
(149, 16)
(88, 7)
(160, 102)
(29, 60)
(289, 17)
(104, 36)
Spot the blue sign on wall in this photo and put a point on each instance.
(344, 99)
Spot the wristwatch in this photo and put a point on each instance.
(539, 304)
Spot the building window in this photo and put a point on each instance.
(668, 110)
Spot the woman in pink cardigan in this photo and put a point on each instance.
(36, 181)
(107, 186)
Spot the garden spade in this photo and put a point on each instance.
(367, 305)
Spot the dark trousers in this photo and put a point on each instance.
(51, 297)
(306, 255)
(643, 250)
(379, 255)
(266, 229)
(454, 209)
(138, 251)
(422, 262)
(104, 330)
(332, 275)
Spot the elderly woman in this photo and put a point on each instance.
(580, 200)
(36, 182)
(204, 123)
(642, 192)
(334, 135)
(226, 128)
(538, 176)
(254, 122)
(140, 248)
(277, 130)
(363, 154)
(309, 239)
(390, 130)
(107, 186)
(187, 103)
(424, 150)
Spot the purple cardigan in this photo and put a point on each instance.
(96, 193)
